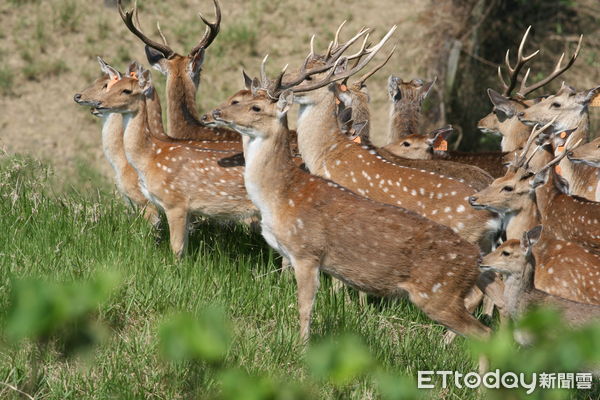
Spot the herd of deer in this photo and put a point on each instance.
(519, 226)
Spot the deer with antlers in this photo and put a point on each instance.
(503, 119)
(328, 153)
(569, 110)
(518, 262)
(308, 218)
(179, 178)
(183, 74)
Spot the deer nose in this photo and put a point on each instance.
(216, 113)
(77, 97)
(472, 200)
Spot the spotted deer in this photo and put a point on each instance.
(406, 103)
(126, 178)
(588, 154)
(183, 74)
(534, 196)
(518, 262)
(570, 110)
(308, 218)
(355, 100)
(434, 146)
(180, 179)
(503, 119)
(328, 153)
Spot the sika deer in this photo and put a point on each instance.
(588, 154)
(503, 118)
(183, 78)
(531, 198)
(309, 219)
(178, 178)
(570, 108)
(355, 99)
(433, 146)
(126, 178)
(517, 261)
(328, 153)
(405, 112)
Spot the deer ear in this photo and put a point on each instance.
(145, 81)
(197, 59)
(533, 235)
(113, 74)
(133, 68)
(591, 95)
(255, 87)
(540, 178)
(393, 89)
(286, 100)
(156, 59)
(247, 80)
(501, 103)
(427, 88)
(439, 138)
(359, 127)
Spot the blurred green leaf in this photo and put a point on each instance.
(397, 387)
(39, 308)
(206, 338)
(339, 360)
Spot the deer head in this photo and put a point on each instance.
(422, 147)
(503, 119)
(406, 102)
(588, 153)
(162, 57)
(512, 257)
(568, 106)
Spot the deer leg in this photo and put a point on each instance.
(178, 230)
(307, 279)
(152, 215)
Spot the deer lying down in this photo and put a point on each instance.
(319, 225)
(516, 261)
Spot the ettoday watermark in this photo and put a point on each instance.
(507, 380)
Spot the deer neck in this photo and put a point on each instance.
(269, 169)
(583, 179)
(154, 116)
(404, 121)
(182, 115)
(112, 141)
(523, 220)
(518, 290)
(139, 147)
(318, 131)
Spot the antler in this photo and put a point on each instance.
(558, 70)
(212, 30)
(568, 147)
(522, 159)
(332, 76)
(361, 81)
(127, 18)
(514, 72)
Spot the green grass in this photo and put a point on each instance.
(69, 237)
(62, 238)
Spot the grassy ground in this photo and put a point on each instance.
(72, 236)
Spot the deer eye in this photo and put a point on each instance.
(308, 78)
(126, 91)
(505, 253)
(256, 108)
(508, 189)
(235, 102)
(556, 105)
(405, 144)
